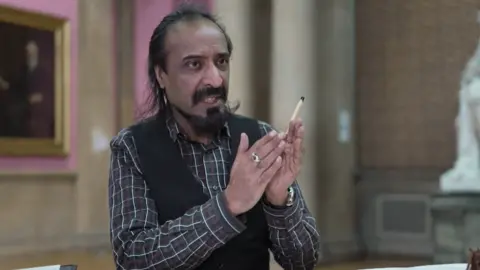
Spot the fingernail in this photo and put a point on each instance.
(282, 144)
(272, 133)
(281, 135)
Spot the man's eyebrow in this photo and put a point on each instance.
(198, 56)
(192, 56)
(224, 54)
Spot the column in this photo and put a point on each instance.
(336, 152)
(313, 47)
(96, 119)
(235, 15)
(124, 63)
(293, 77)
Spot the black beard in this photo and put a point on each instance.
(210, 124)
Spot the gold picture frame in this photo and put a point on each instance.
(58, 144)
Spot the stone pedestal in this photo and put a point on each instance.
(456, 226)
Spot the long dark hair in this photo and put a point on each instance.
(156, 101)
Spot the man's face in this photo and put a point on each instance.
(31, 50)
(197, 69)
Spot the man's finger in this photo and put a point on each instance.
(298, 147)
(265, 149)
(268, 174)
(269, 159)
(299, 131)
(264, 140)
(243, 145)
(291, 131)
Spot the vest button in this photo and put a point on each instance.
(215, 187)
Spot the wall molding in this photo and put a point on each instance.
(399, 180)
(400, 185)
(31, 175)
(21, 246)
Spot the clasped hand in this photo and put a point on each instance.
(278, 164)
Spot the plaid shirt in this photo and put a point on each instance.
(140, 242)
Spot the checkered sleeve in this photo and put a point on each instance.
(292, 230)
(138, 240)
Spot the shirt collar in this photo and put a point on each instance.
(175, 132)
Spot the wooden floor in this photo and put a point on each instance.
(102, 260)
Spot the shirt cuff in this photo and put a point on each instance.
(219, 221)
(284, 218)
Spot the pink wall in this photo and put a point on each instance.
(148, 14)
(65, 9)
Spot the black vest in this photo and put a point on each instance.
(175, 190)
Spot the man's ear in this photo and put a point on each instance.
(159, 74)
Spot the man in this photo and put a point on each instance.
(4, 85)
(195, 186)
(39, 85)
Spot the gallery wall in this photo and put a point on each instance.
(148, 14)
(64, 9)
(410, 56)
(58, 203)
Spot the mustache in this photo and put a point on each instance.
(201, 94)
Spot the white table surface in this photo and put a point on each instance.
(50, 267)
(455, 266)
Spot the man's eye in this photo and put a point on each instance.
(222, 61)
(193, 64)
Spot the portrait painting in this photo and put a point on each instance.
(33, 84)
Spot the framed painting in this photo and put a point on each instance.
(34, 84)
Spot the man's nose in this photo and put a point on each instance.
(213, 76)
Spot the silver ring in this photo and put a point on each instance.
(255, 158)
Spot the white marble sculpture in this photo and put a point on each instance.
(465, 174)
